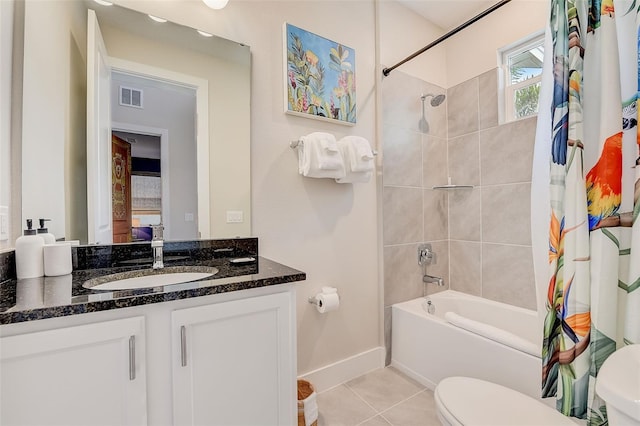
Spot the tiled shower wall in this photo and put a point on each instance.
(481, 236)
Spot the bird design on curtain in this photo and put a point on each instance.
(593, 298)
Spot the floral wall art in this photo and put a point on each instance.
(320, 77)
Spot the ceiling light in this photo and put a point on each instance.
(104, 2)
(202, 33)
(216, 4)
(155, 18)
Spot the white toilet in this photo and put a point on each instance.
(468, 401)
(618, 385)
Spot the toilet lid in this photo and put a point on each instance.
(619, 380)
(476, 402)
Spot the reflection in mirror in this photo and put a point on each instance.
(162, 75)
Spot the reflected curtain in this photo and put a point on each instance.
(593, 298)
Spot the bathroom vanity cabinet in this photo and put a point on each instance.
(232, 363)
(215, 360)
(89, 374)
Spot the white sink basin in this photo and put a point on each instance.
(148, 278)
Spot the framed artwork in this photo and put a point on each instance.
(320, 77)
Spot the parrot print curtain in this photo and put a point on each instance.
(593, 298)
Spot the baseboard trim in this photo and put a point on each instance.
(342, 371)
(413, 374)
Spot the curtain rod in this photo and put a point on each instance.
(481, 15)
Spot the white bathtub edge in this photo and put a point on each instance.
(344, 370)
(493, 333)
(413, 374)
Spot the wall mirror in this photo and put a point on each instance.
(108, 90)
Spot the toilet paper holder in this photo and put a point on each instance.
(325, 301)
(315, 300)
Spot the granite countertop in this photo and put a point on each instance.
(49, 297)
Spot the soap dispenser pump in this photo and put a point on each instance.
(45, 234)
(29, 254)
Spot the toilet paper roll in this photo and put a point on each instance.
(57, 259)
(327, 302)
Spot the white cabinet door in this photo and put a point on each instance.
(234, 363)
(86, 375)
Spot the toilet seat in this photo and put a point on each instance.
(468, 401)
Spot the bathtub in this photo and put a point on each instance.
(468, 336)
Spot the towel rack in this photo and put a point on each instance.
(296, 143)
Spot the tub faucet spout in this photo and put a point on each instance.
(431, 279)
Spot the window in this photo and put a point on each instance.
(522, 67)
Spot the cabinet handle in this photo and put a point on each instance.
(132, 358)
(183, 345)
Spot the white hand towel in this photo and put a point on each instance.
(360, 154)
(319, 156)
(352, 176)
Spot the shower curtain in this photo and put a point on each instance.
(593, 298)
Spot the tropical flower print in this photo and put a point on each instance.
(320, 76)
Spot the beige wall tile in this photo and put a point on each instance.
(464, 159)
(436, 223)
(402, 161)
(462, 108)
(402, 274)
(507, 273)
(506, 214)
(464, 214)
(488, 99)
(434, 161)
(402, 209)
(401, 104)
(506, 152)
(466, 270)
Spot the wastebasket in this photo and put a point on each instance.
(307, 405)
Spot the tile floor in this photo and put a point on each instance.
(382, 397)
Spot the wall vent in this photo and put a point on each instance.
(130, 96)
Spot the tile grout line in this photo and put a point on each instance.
(381, 414)
(363, 400)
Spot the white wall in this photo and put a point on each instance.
(473, 51)
(403, 32)
(6, 40)
(325, 229)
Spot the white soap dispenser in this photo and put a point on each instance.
(29, 254)
(45, 234)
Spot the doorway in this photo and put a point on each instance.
(137, 202)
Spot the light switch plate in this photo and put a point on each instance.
(235, 216)
(188, 217)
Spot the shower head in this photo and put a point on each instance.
(437, 99)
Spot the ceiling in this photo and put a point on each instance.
(447, 14)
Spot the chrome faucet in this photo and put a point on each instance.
(431, 279)
(156, 246)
